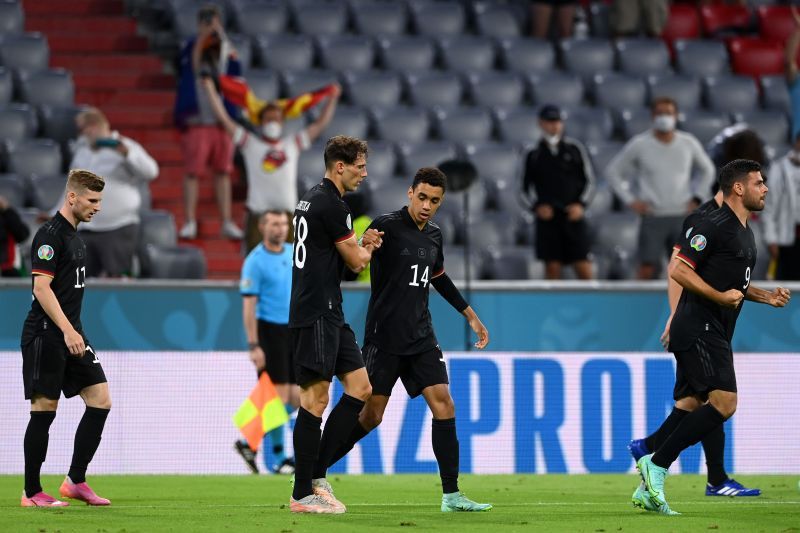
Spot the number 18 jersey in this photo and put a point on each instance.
(321, 220)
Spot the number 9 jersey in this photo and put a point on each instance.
(321, 220)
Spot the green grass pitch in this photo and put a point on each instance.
(407, 503)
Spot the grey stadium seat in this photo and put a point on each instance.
(17, 122)
(702, 57)
(500, 21)
(262, 17)
(374, 88)
(498, 160)
(705, 124)
(264, 83)
(12, 19)
(477, 203)
(48, 87)
(427, 154)
(589, 124)
(587, 57)
(439, 18)
(382, 160)
(402, 124)
(770, 124)
(349, 120)
(346, 52)
(158, 227)
(563, 89)
(602, 153)
(312, 164)
(454, 266)
(12, 188)
(40, 156)
(465, 124)
(58, 123)
(381, 18)
(285, 52)
(175, 262)
(407, 53)
(26, 52)
(244, 49)
(6, 86)
(643, 56)
(776, 94)
(510, 262)
(527, 55)
(519, 125)
(388, 195)
(731, 93)
(49, 191)
(321, 18)
(303, 81)
(634, 121)
(467, 53)
(684, 89)
(487, 229)
(617, 240)
(435, 88)
(497, 89)
(599, 20)
(619, 91)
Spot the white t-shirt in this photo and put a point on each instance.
(271, 169)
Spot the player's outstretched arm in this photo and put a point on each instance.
(356, 257)
(478, 327)
(47, 299)
(778, 297)
(690, 280)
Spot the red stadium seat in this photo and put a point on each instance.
(775, 23)
(718, 18)
(755, 57)
(683, 23)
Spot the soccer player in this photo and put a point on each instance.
(399, 340)
(714, 265)
(56, 355)
(324, 345)
(266, 287)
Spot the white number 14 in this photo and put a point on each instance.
(423, 279)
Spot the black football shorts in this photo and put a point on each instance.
(274, 341)
(48, 368)
(324, 350)
(706, 366)
(416, 371)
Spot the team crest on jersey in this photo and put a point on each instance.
(45, 252)
(273, 160)
(689, 232)
(698, 242)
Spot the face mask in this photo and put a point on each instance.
(272, 129)
(664, 123)
(552, 140)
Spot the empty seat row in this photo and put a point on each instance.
(46, 87)
(21, 121)
(41, 192)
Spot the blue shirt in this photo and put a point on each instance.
(268, 275)
(794, 99)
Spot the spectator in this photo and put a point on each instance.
(205, 144)
(652, 174)
(628, 18)
(12, 232)
(792, 71)
(270, 158)
(558, 184)
(781, 215)
(542, 11)
(737, 142)
(111, 237)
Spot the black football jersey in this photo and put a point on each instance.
(723, 253)
(58, 252)
(321, 220)
(689, 222)
(398, 319)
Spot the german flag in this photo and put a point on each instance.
(235, 90)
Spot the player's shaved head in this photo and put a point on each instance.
(432, 176)
(345, 149)
(80, 181)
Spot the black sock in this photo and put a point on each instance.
(87, 439)
(445, 448)
(691, 430)
(658, 437)
(35, 446)
(714, 448)
(306, 447)
(340, 423)
(356, 435)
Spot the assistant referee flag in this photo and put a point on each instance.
(261, 412)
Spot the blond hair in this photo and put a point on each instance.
(79, 180)
(91, 115)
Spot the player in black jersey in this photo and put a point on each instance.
(56, 355)
(716, 258)
(324, 345)
(399, 342)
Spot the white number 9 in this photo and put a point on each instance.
(746, 278)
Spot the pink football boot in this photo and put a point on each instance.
(41, 499)
(81, 491)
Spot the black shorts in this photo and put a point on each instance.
(706, 366)
(324, 350)
(416, 371)
(560, 240)
(48, 368)
(274, 340)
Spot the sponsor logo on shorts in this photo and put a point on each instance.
(698, 242)
(45, 252)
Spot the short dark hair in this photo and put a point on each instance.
(208, 12)
(736, 170)
(345, 149)
(663, 100)
(276, 212)
(432, 176)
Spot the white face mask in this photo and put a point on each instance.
(552, 140)
(272, 129)
(664, 123)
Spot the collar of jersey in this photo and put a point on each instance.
(64, 222)
(327, 182)
(407, 217)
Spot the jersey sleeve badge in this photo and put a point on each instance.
(698, 242)
(45, 252)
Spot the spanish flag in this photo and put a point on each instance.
(260, 413)
(236, 90)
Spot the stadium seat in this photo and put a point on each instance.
(587, 57)
(563, 89)
(683, 23)
(381, 18)
(17, 123)
(775, 93)
(619, 91)
(519, 125)
(12, 188)
(589, 124)
(643, 56)
(264, 83)
(320, 18)
(447, 227)
(388, 195)
(349, 120)
(12, 19)
(731, 93)
(407, 53)
(285, 52)
(602, 201)
(175, 262)
(244, 49)
(775, 23)
(262, 18)
(486, 230)
(495, 160)
(701, 57)
(58, 123)
(527, 55)
(49, 191)
(509, 263)
(499, 21)
(303, 81)
(26, 52)
(616, 240)
(754, 57)
(48, 87)
(685, 90)
(599, 20)
(721, 19)
(311, 163)
(477, 200)
(35, 156)
(427, 154)
(771, 125)
(373, 88)
(158, 227)
(467, 53)
(705, 124)
(455, 264)
(6, 86)
(497, 89)
(382, 160)
(634, 121)
(346, 52)
(435, 89)
(439, 18)
(465, 124)
(401, 124)
(184, 15)
(602, 153)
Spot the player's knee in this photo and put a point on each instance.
(371, 419)
(44, 404)
(362, 391)
(725, 404)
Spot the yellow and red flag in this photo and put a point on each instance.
(261, 412)
(235, 90)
